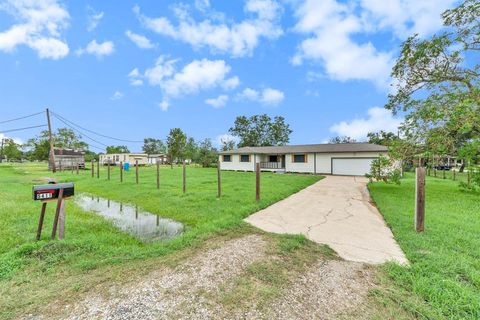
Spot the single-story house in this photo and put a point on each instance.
(117, 158)
(351, 159)
(68, 159)
(153, 158)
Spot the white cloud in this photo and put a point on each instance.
(141, 41)
(98, 49)
(117, 96)
(272, 96)
(331, 27)
(39, 27)
(267, 96)
(164, 105)
(93, 18)
(134, 76)
(377, 119)
(237, 39)
(202, 5)
(196, 76)
(217, 102)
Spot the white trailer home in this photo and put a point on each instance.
(351, 159)
(131, 158)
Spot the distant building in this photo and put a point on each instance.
(68, 159)
(117, 158)
(153, 158)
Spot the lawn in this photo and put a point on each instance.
(443, 281)
(34, 273)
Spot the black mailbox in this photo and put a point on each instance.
(51, 191)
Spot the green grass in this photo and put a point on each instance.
(443, 281)
(34, 273)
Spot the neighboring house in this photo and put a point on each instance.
(117, 158)
(68, 159)
(352, 159)
(153, 158)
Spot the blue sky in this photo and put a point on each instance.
(136, 69)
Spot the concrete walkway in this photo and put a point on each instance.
(335, 211)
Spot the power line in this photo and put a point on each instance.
(78, 131)
(20, 118)
(96, 133)
(25, 128)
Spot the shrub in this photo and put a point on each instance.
(384, 169)
(474, 184)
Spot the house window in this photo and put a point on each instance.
(227, 158)
(118, 158)
(273, 159)
(244, 158)
(124, 158)
(299, 158)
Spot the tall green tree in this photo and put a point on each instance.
(207, 154)
(227, 143)
(154, 146)
(437, 83)
(261, 130)
(67, 138)
(11, 150)
(383, 138)
(176, 143)
(117, 149)
(191, 150)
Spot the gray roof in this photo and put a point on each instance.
(311, 148)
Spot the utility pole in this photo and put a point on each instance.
(1, 151)
(50, 137)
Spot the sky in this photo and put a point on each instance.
(136, 69)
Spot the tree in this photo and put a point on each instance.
(437, 83)
(342, 139)
(154, 146)
(117, 149)
(261, 130)
(382, 138)
(39, 147)
(67, 138)
(227, 143)
(207, 154)
(191, 150)
(11, 150)
(176, 143)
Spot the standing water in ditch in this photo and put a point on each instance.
(142, 225)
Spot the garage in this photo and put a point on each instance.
(351, 166)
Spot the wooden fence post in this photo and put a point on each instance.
(454, 173)
(435, 173)
(108, 170)
(158, 174)
(257, 184)
(136, 171)
(40, 221)
(219, 180)
(93, 168)
(468, 178)
(420, 199)
(184, 177)
(98, 169)
(443, 174)
(78, 168)
(57, 213)
(121, 171)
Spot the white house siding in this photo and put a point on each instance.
(235, 164)
(305, 167)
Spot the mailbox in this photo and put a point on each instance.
(51, 191)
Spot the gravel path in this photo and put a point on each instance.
(329, 289)
(181, 293)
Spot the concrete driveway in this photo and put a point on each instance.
(335, 211)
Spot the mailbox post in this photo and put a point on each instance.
(51, 192)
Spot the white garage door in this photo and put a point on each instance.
(351, 166)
